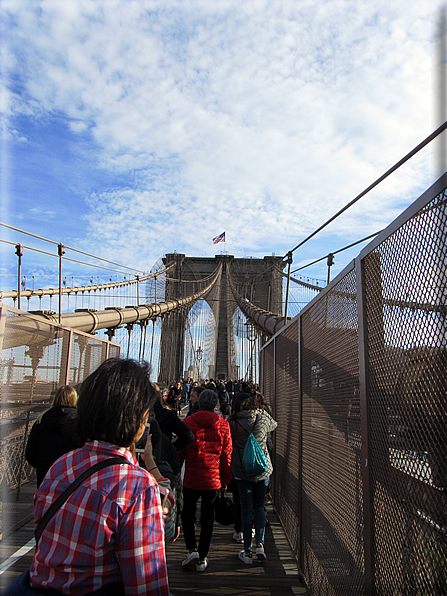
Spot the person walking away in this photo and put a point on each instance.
(207, 470)
(186, 389)
(108, 537)
(225, 410)
(53, 434)
(174, 399)
(249, 417)
(224, 398)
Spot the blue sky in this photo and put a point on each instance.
(136, 128)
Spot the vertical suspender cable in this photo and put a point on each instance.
(60, 252)
(289, 261)
(19, 253)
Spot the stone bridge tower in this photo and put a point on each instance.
(258, 280)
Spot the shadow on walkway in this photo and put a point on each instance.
(226, 575)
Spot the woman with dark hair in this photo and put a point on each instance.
(108, 537)
(248, 418)
(175, 396)
(263, 404)
(53, 433)
(194, 400)
(170, 423)
(207, 469)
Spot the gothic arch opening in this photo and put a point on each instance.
(200, 342)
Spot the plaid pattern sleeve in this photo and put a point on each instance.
(110, 529)
(141, 547)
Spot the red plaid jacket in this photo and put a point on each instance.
(110, 529)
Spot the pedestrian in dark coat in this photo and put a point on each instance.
(175, 396)
(171, 424)
(248, 417)
(166, 457)
(194, 400)
(53, 434)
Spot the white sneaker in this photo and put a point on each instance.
(238, 536)
(192, 556)
(246, 557)
(260, 552)
(202, 565)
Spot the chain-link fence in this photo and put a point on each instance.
(358, 385)
(36, 358)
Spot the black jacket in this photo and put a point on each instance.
(164, 452)
(52, 435)
(193, 408)
(170, 424)
(162, 448)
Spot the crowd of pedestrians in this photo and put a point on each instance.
(222, 414)
(179, 446)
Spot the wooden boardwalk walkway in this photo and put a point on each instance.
(226, 575)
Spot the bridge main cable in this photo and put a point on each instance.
(264, 319)
(90, 320)
(77, 289)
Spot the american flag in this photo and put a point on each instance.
(220, 238)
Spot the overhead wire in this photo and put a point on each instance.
(50, 254)
(409, 155)
(66, 246)
(335, 252)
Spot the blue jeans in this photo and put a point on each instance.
(252, 496)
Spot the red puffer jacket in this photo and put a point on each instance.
(208, 457)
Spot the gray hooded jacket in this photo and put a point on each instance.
(260, 423)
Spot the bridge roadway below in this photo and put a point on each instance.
(226, 575)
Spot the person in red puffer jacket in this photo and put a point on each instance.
(207, 469)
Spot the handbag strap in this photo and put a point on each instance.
(119, 459)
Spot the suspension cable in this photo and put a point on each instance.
(413, 152)
(50, 254)
(335, 252)
(75, 290)
(69, 247)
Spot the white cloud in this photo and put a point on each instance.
(77, 126)
(39, 213)
(261, 118)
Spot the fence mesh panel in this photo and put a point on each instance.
(332, 487)
(405, 280)
(287, 443)
(269, 374)
(34, 360)
(374, 475)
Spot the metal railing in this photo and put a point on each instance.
(358, 385)
(32, 366)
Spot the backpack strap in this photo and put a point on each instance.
(119, 459)
(254, 425)
(242, 426)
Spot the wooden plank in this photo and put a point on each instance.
(226, 575)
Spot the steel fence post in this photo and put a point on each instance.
(368, 516)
